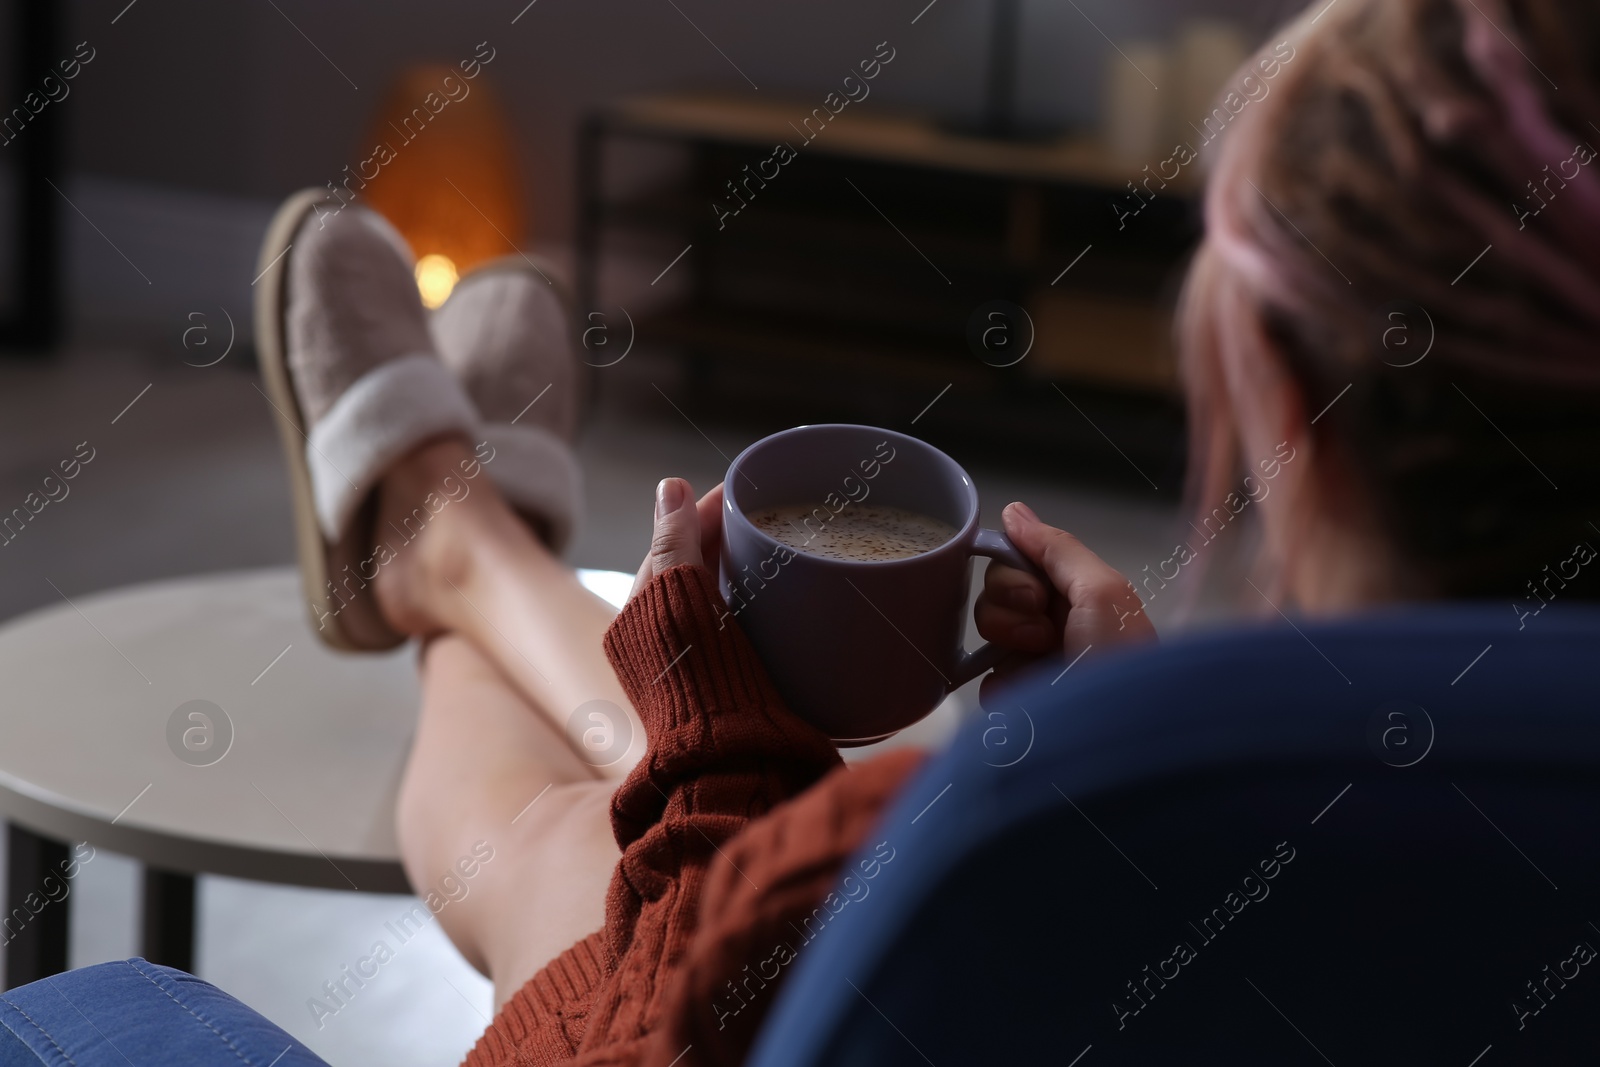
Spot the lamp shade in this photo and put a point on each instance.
(450, 182)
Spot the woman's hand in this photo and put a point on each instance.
(1087, 603)
(685, 531)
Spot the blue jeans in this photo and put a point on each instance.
(137, 1014)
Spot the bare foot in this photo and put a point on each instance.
(454, 558)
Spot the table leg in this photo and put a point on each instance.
(34, 926)
(168, 921)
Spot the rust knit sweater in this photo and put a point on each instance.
(733, 829)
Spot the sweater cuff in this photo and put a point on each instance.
(682, 658)
(707, 704)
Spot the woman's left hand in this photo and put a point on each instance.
(686, 531)
(1082, 602)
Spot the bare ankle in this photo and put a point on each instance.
(434, 507)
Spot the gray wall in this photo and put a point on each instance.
(228, 96)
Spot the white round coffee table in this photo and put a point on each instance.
(198, 726)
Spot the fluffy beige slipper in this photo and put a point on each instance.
(348, 362)
(507, 333)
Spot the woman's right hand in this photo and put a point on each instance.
(1085, 604)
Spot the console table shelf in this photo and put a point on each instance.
(867, 255)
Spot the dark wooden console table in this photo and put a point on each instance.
(850, 280)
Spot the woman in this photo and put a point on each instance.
(1414, 168)
(1414, 158)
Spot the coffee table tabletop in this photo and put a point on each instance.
(199, 726)
(293, 777)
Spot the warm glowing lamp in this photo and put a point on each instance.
(447, 176)
(436, 276)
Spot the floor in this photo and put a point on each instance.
(186, 478)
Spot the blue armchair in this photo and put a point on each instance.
(1369, 842)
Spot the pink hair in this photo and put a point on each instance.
(1382, 164)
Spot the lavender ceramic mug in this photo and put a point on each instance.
(859, 648)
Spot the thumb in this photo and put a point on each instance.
(1055, 552)
(1075, 571)
(677, 532)
(1102, 605)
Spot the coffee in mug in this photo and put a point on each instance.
(866, 532)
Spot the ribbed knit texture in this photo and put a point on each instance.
(708, 879)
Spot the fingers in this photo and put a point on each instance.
(1102, 606)
(1070, 565)
(1017, 590)
(1013, 610)
(1035, 635)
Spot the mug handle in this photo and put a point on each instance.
(996, 546)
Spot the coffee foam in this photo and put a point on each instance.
(863, 533)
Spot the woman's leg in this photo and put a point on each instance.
(493, 770)
(477, 570)
(493, 785)
(489, 776)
